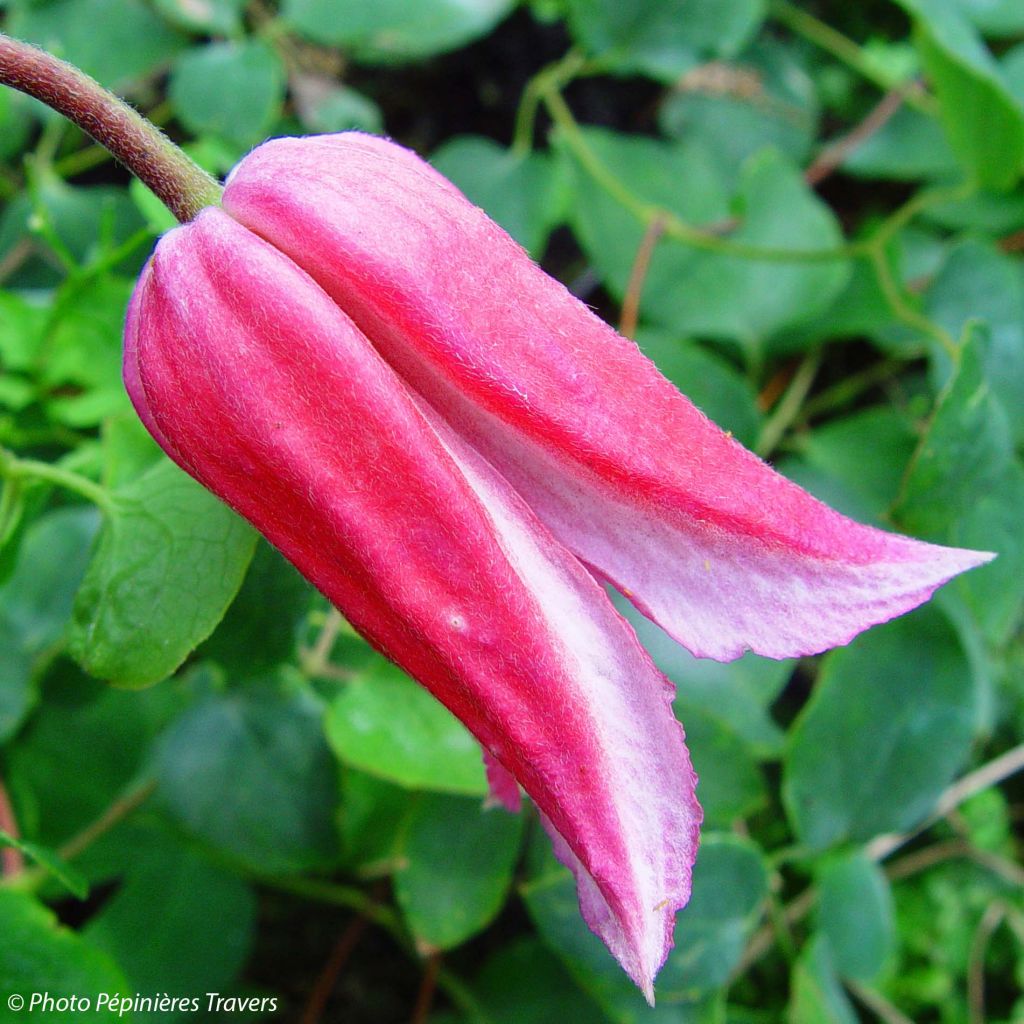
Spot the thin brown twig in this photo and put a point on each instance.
(641, 264)
(835, 153)
(990, 921)
(963, 789)
(316, 660)
(12, 860)
(764, 938)
(16, 257)
(877, 1003)
(113, 815)
(328, 977)
(974, 782)
(948, 849)
(1013, 242)
(428, 985)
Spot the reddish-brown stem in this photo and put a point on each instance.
(425, 999)
(631, 301)
(12, 861)
(833, 155)
(329, 975)
(179, 182)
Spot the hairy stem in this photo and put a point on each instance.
(180, 183)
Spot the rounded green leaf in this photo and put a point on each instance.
(386, 725)
(855, 914)
(458, 861)
(394, 30)
(982, 118)
(40, 956)
(231, 90)
(169, 560)
(663, 38)
(35, 601)
(890, 722)
(176, 923)
(250, 774)
(115, 41)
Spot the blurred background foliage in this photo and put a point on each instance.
(811, 216)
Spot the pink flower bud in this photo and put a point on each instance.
(446, 443)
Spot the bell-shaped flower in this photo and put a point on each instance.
(451, 447)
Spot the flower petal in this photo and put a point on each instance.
(704, 537)
(266, 392)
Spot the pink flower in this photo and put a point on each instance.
(451, 447)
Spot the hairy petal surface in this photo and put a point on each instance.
(704, 537)
(256, 383)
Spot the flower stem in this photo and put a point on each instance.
(180, 184)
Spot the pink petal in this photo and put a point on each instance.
(703, 536)
(267, 393)
(504, 790)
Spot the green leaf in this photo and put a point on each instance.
(691, 291)
(88, 221)
(994, 593)
(867, 454)
(325, 107)
(995, 17)
(261, 626)
(16, 119)
(458, 868)
(964, 453)
(908, 147)
(523, 984)
(84, 749)
(128, 449)
(385, 724)
(523, 194)
(133, 41)
(394, 30)
(169, 560)
(855, 915)
(232, 90)
(372, 822)
(22, 324)
(43, 957)
(212, 17)
(977, 282)
(816, 995)
(730, 883)
(983, 120)
(770, 102)
(889, 724)
(81, 366)
(51, 863)
(36, 601)
(176, 924)
(662, 39)
(708, 381)
(249, 773)
(731, 785)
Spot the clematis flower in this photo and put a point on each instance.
(455, 451)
